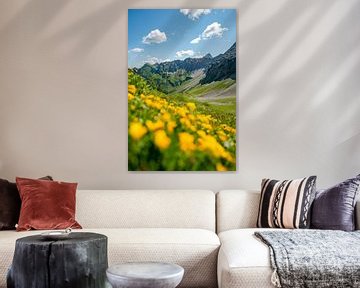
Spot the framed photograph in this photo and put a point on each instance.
(181, 89)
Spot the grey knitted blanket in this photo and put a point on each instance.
(313, 258)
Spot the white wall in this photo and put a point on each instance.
(63, 77)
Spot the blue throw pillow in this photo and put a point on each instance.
(334, 208)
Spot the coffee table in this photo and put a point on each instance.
(80, 261)
(145, 275)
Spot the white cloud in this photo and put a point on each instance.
(136, 50)
(152, 60)
(198, 56)
(213, 30)
(155, 36)
(196, 40)
(183, 53)
(195, 14)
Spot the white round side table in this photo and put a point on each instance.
(145, 275)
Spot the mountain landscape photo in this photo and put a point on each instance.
(182, 90)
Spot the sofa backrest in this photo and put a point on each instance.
(146, 209)
(239, 209)
(236, 209)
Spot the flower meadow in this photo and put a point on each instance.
(167, 134)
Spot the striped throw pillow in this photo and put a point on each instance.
(286, 204)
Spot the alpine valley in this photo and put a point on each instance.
(182, 114)
(210, 80)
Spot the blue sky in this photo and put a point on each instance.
(157, 35)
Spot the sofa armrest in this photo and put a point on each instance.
(357, 215)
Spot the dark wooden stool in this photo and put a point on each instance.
(79, 261)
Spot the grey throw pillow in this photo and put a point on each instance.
(334, 208)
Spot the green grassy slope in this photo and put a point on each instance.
(216, 98)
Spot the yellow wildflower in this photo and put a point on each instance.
(182, 111)
(227, 156)
(186, 142)
(148, 102)
(204, 118)
(191, 117)
(220, 167)
(187, 123)
(201, 133)
(171, 126)
(191, 106)
(209, 143)
(166, 116)
(161, 140)
(222, 135)
(137, 130)
(154, 104)
(228, 128)
(207, 126)
(130, 96)
(131, 89)
(153, 126)
(171, 107)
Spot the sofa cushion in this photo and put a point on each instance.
(146, 209)
(244, 261)
(334, 208)
(236, 209)
(46, 204)
(10, 204)
(194, 249)
(286, 204)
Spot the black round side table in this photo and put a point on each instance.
(79, 261)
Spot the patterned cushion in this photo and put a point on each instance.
(286, 204)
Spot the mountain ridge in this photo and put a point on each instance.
(222, 67)
(171, 74)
